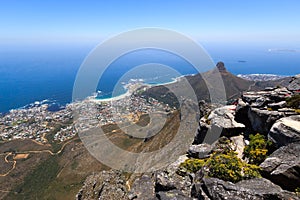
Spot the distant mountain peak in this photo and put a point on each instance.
(221, 67)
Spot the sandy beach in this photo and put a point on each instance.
(122, 96)
(131, 87)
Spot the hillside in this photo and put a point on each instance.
(234, 86)
(67, 170)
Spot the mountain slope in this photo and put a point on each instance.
(234, 86)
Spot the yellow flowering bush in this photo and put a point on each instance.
(257, 149)
(226, 166)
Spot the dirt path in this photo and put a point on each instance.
(7, 161)
(49, 151)
(28, 152)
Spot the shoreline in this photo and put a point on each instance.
(124, 95)
(116, 98)
(131, 87)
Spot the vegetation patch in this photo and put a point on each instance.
(294, 101)
(37, 181)
(191, 165)
(229, 167)
(225, 166)
(258, 148)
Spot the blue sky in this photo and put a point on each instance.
(36, 21)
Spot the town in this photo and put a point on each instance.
(36, 122)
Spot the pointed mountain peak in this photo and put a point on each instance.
(221, 67)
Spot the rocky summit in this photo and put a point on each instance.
(247, 150)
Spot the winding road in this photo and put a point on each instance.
(28, 152)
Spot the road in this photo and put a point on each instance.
(28, 152)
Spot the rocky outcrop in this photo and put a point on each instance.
(283, 166)
(204, 108)
(224, 118)
(200, 151)
(253, 189)
(220, 122)
(143, 188)
(104, 185)
(259, 110)
(262, 120)
(221, 67)
(286, 130)
(202, 131)
(295, 84)
(167, 181)
(277, 105)
(164, 184)
(262, 98)
(241, 114)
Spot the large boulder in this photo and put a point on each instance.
(200, 151)
(286, 130)
(252, 189)
(283, 166)
(261, 102)
(224, 117)
(241, 115)
(143, 188)
(262, 120)
(167, 181)
(277, 105)
(220, 122)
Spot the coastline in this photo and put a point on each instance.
(130, 89)
(116, 98)
(128, 92)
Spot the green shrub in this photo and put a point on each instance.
(257, 149)
(294, 101)
(229, 167)
(251, 171)
(191, 165)
(226, 166)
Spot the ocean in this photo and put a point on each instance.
(31, 73)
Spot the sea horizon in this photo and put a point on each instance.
(37, 74)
